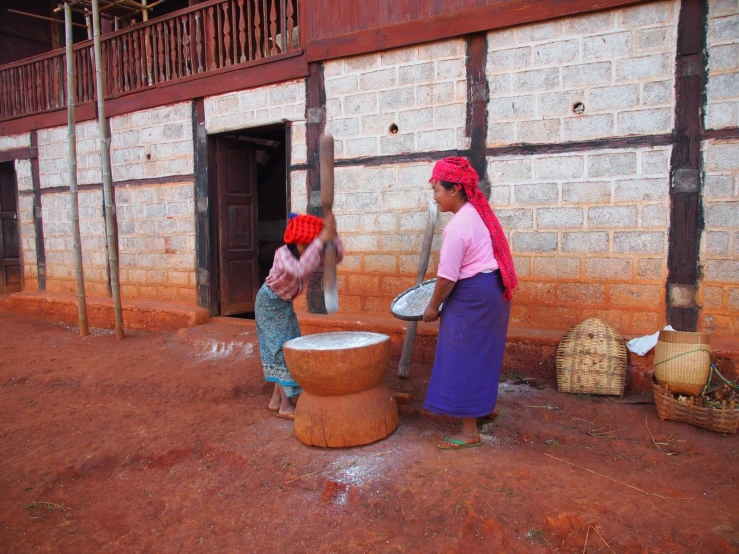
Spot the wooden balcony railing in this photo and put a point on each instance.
(192, 42)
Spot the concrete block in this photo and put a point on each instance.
(586, 74)
(639, 122)
(536, 194)
(500, 133)
(414, 221)
(517, 107)
(381, 263)
(651, 268)
(450, 69)
(611, 165)
(535, 32)
(513, 58)
(655, 215)
(509, 170)
(658, 38)
(642, 296)
(723, 58)
(556, 52)
(723, 86)
(718, 186)
(341, 85)
(343, 127)
(450, 115)
(721, 271)
(382, 222)
(499, 84)
(584, 242)
(557, 267)
(362, 147)
(655, 162)
(639, 242)
(283, 94)
(547, 130)
(416, 73)
(717, 243)
(441, 49)
(581, 293)
(516, 219)
(613, 98)
(645, 67)
(559, 218)
(434, 94)
(534, 242)
(612, 216)
(397, 144)
(650, 13)
(536, 80)
(638, 190)
(720, 116)
(361, 63)
(397, 99)
(559, 167)
(436, 140)
(377, 124)
(657, 92)
(501, 38)
(610, 45)
(399, 200)
(398, 56)
(589, 24)
(609, 268)
(360, 104)
(559, 103)
(414, 120)
(374, 80)
(397, 243)
(586, 127)
(722, 214)
(724, 28)
(723, 157)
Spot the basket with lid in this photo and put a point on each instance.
(682, 361)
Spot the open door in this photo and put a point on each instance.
(238, 260)
(10, 252)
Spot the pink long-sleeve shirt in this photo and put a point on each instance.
(467, 248)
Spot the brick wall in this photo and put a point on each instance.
(261, 106)
(422, 90)
(719, 287)
(589, 235)
(722, 102)
(618, 64)
(24, 183)
(11, 142)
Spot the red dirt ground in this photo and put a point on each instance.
(162, 443)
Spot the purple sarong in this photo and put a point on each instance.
(469, 352)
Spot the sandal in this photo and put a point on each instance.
(456, 444)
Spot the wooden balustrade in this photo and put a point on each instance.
(195, 41)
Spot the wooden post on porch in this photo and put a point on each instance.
(111, 230)
(72, 161)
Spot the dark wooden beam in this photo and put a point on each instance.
(37, 219)
(594, 144)
(505, 13)
(718, 134)
(686, 208)
(18, 154)
(315, 112)
(46, 120)
(478, 95)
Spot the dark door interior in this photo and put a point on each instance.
(10, 252)
(251, 212)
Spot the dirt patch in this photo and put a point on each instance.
(163, 443)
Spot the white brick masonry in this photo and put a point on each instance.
(11, 142)
(618, 64)
(152, 143)
(722, 104)
(28, 241)
(585, 206)
(719, 252)
(23, 178)
(261, 106)
(146, 144)
(421, 90)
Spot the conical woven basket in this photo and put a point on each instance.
(591, 359)
(682, 361)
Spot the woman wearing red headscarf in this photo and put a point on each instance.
(475, 283)
(277, 323)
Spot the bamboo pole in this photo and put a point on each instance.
(111, 232)
(72, 159)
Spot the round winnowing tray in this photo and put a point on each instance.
(410, 305)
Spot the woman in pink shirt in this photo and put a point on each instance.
(475, 283)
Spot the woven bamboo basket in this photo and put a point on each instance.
(591, 359)
(724, 419)
(683, 361)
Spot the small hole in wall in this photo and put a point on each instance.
(148, 156)
(578, 107)
(393, 129)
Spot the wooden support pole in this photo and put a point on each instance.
(111, 231)
(72, 163)
(404, 368)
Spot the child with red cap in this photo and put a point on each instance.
(277, 323)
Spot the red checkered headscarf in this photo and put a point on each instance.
(459, 171)
(302, 229)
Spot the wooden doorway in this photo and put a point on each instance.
(249, 192)
(10, 251)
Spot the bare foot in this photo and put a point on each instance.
(274, 402)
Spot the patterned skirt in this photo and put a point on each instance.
(276, 324)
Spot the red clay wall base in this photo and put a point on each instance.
(137, 314)
(532, 352)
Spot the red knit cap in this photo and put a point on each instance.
(302, 229)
